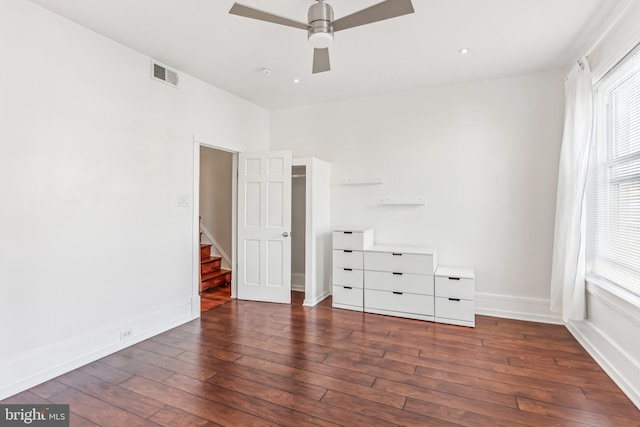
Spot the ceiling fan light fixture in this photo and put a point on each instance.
(321, 40)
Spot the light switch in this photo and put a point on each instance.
(184, 200)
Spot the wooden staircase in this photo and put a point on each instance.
(211, 275)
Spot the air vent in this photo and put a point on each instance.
(164, 74)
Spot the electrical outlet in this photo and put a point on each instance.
(125, 334)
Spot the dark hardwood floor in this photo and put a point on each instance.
(212, 298)
(254, 364)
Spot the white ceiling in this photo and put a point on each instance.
(199, 37)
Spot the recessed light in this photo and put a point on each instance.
(463, 51)
(296, 81)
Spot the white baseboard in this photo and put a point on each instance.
(43, 364)
(612, 359)
(530, 309)
(297, 282)
(310, 302)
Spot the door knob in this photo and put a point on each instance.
(285, 234)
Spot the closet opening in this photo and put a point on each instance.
(298, 227)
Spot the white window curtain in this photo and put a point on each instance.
(568, 264)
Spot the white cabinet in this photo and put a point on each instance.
(398, 281)
(352, 238)
(455, 296)
(403, 281)
(348, 262)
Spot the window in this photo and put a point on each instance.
(613, 197)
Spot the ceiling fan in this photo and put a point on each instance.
(321, 25)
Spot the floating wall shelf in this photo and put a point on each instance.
(362, 181)
(403, 200)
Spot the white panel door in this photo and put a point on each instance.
(264, 226)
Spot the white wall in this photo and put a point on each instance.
(93, 154)
(485, 156)
(216, 195)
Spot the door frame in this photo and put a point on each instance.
(195, 299)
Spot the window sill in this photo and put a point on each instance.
(619, 299)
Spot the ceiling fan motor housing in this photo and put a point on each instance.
(320, 31)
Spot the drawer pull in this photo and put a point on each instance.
(395, 254)
(397, 274)
(454, 299)
(347, 287)
(348, 269)
(397, 293)
(454, 278)
(347, 251)
(348, 232)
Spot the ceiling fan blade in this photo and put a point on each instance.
(378, 12)
(249, 12)
(321, 60)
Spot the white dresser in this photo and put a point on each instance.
(348, 262)
(455, 300)
(398, 281)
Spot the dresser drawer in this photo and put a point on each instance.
(455, 287)
(346, 297)
(356, 240)
(348, 277)
(399, 262)
(348, 258)
(455, 309)
(404, 303)
(400, 282)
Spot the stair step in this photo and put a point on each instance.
(214, 274)
(215, 278)
(211, 259)
(210, 265)
(205, 250)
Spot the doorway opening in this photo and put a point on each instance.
(311, 230)
(216, 227)
(298, 226)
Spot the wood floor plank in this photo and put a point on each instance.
(533, 375)
(76, 420)
(253, 398)
(106, 372)
(302, 374)
(461, 416)
(278, 351)
(98, 411)
(381, 368)
(606, 396)
(381, 411)
(429, 368)
(287, 384)
(297, 346)
(156, 347)
(111, 393)
(575, 363)
(195, 405)
(137, 367)
(172, 364)
(552, 368)
(172, 417)
(26, 397)
(49, 388)
(504, 413)
(581, 416)
(446, 390)
(248, 363)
